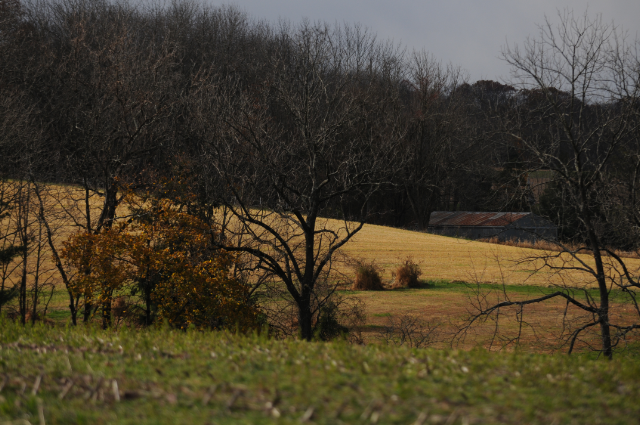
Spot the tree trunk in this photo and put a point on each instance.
(23, 287)
(304, 305)
(109, 209)
(147, 300)
(106, 310)
(304, 318)
(72, 309)
(23, 231)
(603, 313)
(87, 310)
(605, 330)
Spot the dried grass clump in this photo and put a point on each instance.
(407, 274)
(367, 278)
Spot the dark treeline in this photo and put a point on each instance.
(95, 91)
(98, 91)
(310, 120)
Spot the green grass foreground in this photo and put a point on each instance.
(59, 375)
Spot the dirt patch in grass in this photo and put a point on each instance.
(545, 325)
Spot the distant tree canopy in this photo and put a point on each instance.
(106, 90)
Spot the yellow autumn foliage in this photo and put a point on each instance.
(166, 259)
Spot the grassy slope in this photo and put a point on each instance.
(172, 377)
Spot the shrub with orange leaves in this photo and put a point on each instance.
(165, 257)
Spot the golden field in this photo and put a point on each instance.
(442, 259)
(439, 257)
(454, 259)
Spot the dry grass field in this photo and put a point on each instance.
(454, 259)
(444, 260)
(439, 257)
(456, 271)
(445, 306)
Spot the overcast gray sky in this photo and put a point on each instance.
(468, 33)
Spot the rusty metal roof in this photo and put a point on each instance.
(465, 218)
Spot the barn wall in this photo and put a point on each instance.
(529, 228)
(530, 234)
(467, 232)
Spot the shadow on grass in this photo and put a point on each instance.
(466, 288)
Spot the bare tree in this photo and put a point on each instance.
(438, 141)
(316, 135)
(11, 124)
(574, 116)
(18, 130)
(102, 83)
(10, 246)
(409, 330)
(111, 88)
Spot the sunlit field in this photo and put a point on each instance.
(452, 271)
(455, 259)
(439, 257)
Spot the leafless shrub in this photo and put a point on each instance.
(409, 330)
(407, 274)
(367, 277)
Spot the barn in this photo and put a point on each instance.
(522, 226)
